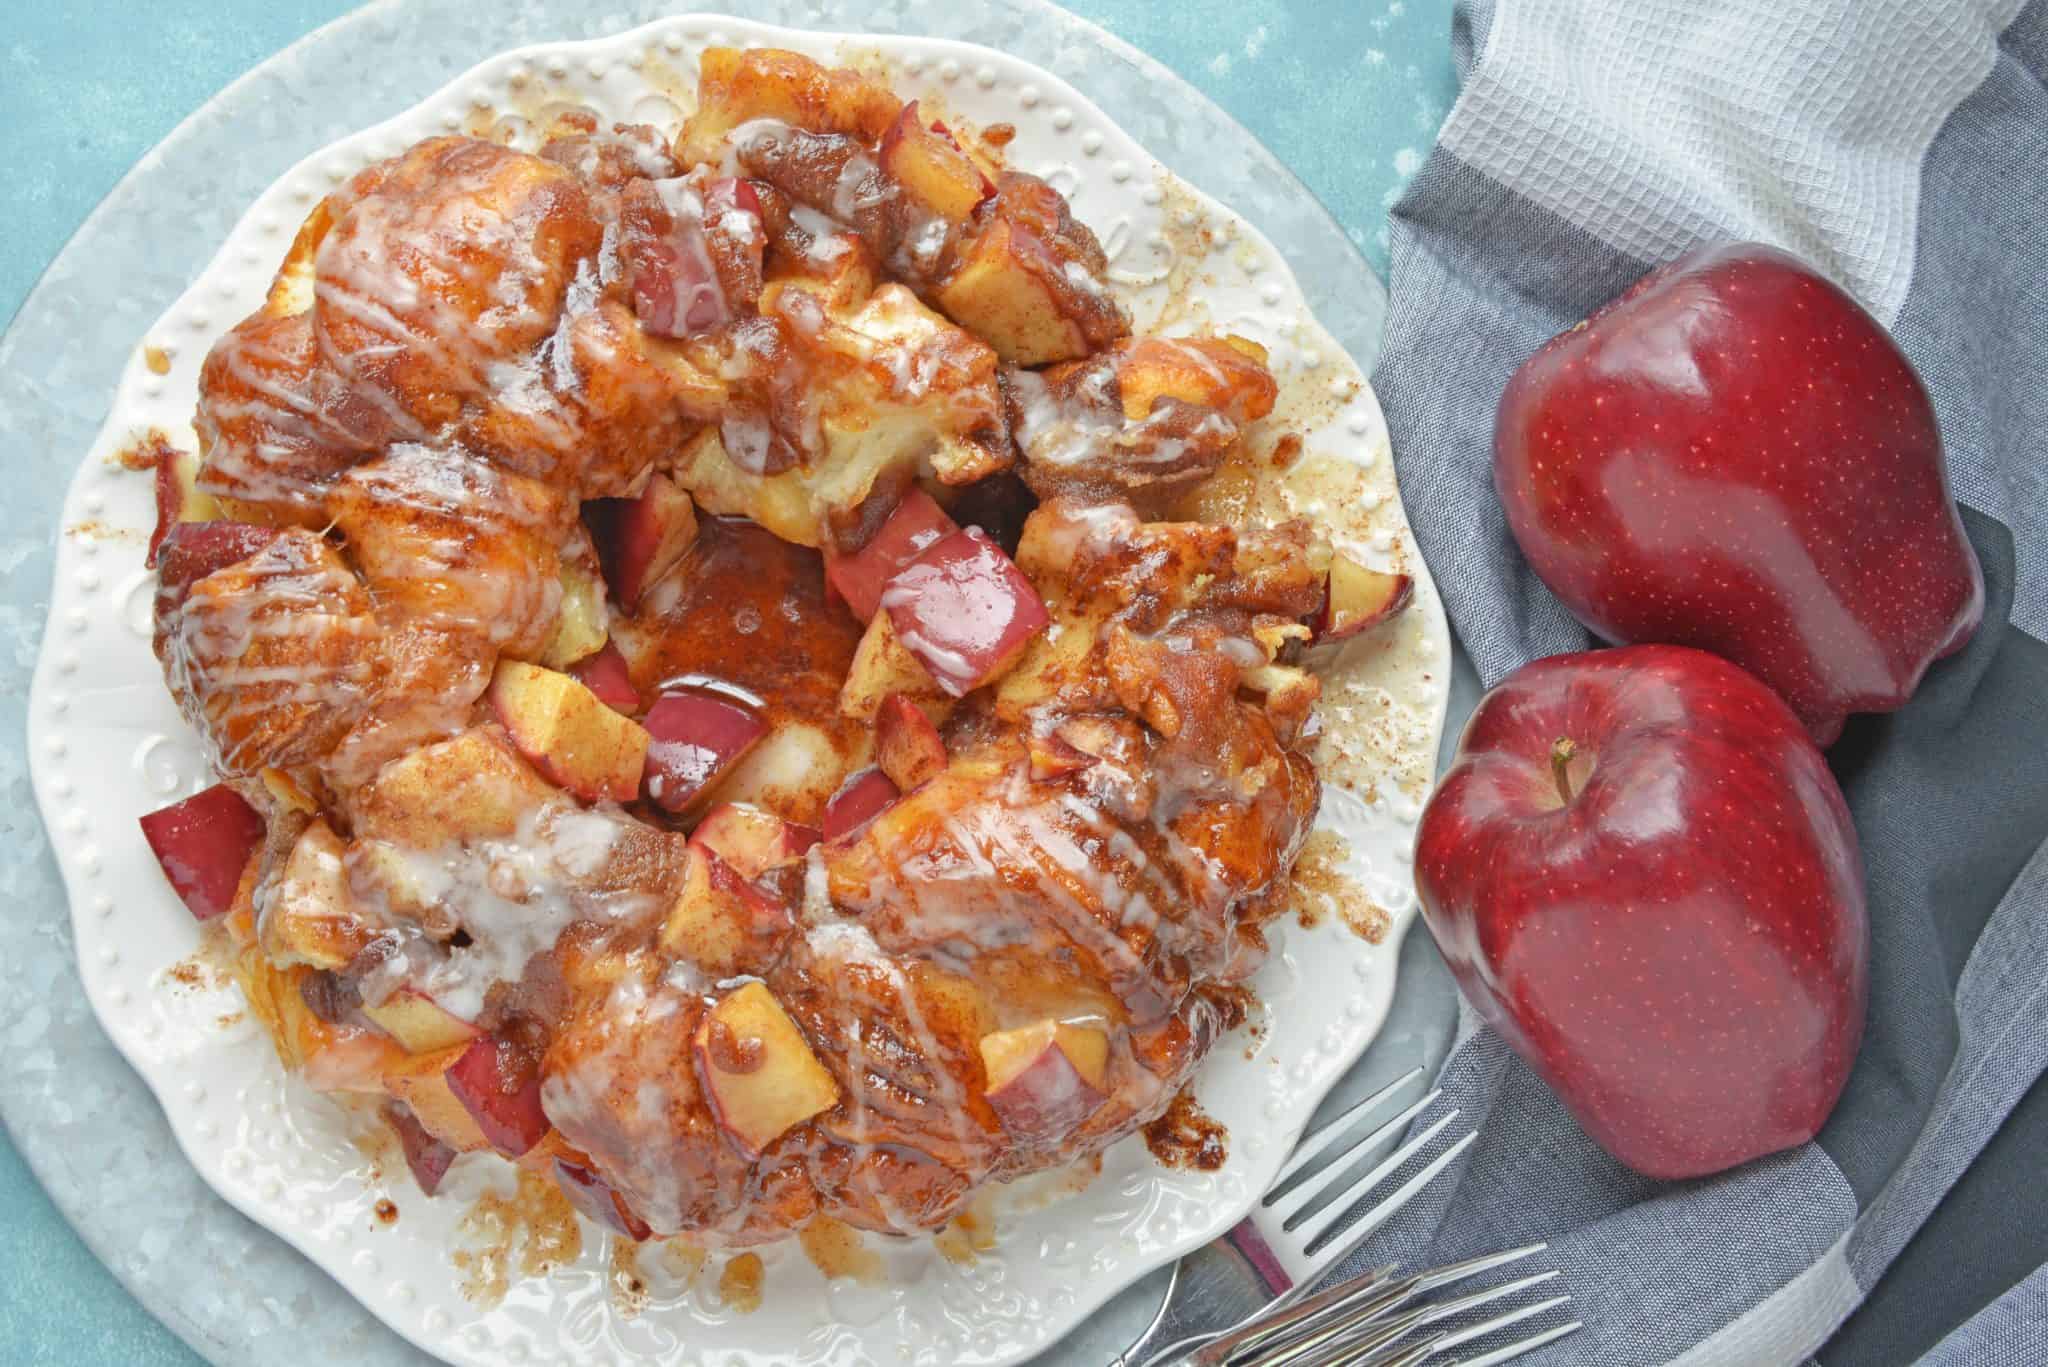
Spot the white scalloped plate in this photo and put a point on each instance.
(107, 745)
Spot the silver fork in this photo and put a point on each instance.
(1273, 1257)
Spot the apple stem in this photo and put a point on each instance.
(1561, 752)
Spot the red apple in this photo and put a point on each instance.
(752, 839)
(859, 800)
(1358, 598)
(419, 1022)
(1643, 875)
(907, 746)
(203, 844)
(605, 674)
(596, 1198)
(1045, 1079)
(916, 523)
(758, 1068)
(695, 737)
(1734, 455)
(929, 166)
(641, 539)
(427, 1156)
(178, 498)
(964, 609)
(720, 921)
(498, 1083)
(570, 735)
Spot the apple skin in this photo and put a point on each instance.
(1681, 950)
(1734, 455)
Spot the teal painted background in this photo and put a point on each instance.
(1349, 93)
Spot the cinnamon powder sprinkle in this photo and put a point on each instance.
(739, 1286)
(1185, 1137)
(529, 1233)
(1321, 889)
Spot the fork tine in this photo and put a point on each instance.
(1320, 1343)
(1516, 1349)
(1311, 1227)
(1357, 1234)
(1312, 1145)
(1459, 1337)
(1286, 1205)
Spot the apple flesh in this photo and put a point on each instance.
(907, 746)
(752, 839)
(1046, 1078)
(203, 844)
(859, 800)
(1734, 455)
(720, 921)
(931, 169)
(420, 1081)
(596, 1198)
(964, 609)
(427, 1156)
(1359, 598)
(605, 675)
(178, 497)
(1643, 875)
(419, 1022)
(695, 738)
(568, 732)
(581, 628)
(641, 539)
(192, 550)
(916, 522)
(498, 1083)
(759, 1070)
(882, 666)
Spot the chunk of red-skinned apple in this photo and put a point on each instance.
(498, 1083)
(859, 800)
(568, 733)
(1045, 1079)
(859, 578)
(760, 1072)
(752, 839)
(883, 665)
(907, 746)
(203, 844)
(427, 1156)
(605, 674)
(720, 921)
(178, 496)
(930, 167)
(641, 539)
(190, 551)
(419, 1022)
(596, 1198)
(1359, 598)
(1054, 758)
(695, 738)
(964, 609)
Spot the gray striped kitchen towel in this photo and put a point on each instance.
(1903, 146)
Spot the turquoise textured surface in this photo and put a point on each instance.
(1348, 94)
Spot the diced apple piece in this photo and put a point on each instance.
(883, 666)
(580, 627)
(595, 1197)
(1045, 1079)
(859, 800)
(759, 1069)
(641, 539)
(993, 295)
(752, 839)
(695, 737)
(719, 917)
(568, 732)
(858, 578)
(421, 1082)
(419, 1022)
(178, 498)
(468, 787)
(192, 550)
(309, 916)
(736, 87)
(203, 844)
(964, 609)
(932, 169)
(606, 675)
(907, 746)
(427, 1156)
(1055, 758)
(1213, 373)
(499, 1084)
(795, 769)
(1359, 598)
